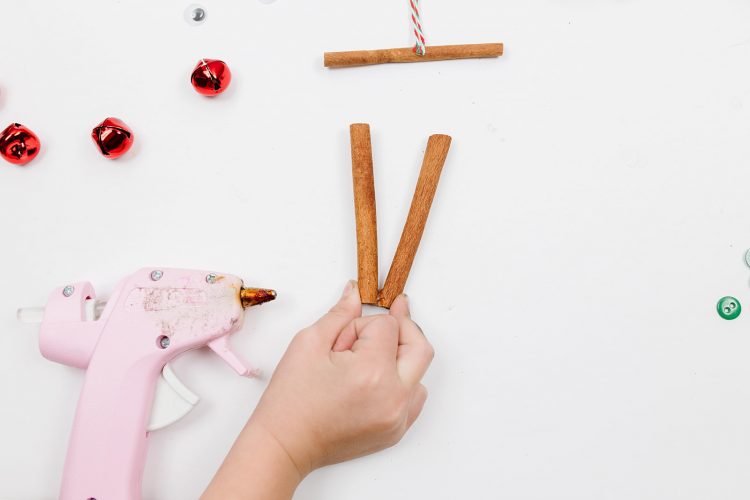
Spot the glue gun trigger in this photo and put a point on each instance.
(221, 347)
(172, 400)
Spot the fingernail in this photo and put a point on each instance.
(406, 302)
(348, 288)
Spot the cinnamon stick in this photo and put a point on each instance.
(429, 175)
(434, 53)
(364, 212)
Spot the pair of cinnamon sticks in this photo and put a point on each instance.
(366, 220)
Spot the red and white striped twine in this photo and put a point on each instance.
(419, 48)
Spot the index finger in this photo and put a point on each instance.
(377, 336)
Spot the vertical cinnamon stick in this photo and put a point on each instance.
(364, 212)
(429, 175)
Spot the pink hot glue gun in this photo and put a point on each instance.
(125, 346)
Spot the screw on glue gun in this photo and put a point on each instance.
(125, 345)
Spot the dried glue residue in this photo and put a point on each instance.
(183, 314)
(161, 299)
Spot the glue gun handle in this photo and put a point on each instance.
(107, 448)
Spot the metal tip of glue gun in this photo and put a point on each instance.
(256, 296)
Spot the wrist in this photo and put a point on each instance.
(257, 467)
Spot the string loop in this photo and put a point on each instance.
(416, 21)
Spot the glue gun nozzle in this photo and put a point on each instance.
(256, 296)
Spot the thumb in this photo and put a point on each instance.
(346, 310)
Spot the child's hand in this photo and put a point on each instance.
(347, 386)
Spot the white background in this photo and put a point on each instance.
(594, 206)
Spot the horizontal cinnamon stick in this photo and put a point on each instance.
(434, 53)
(429, 175)
(364, 212)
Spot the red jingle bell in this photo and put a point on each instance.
(113, 137)
(18, 144)
(211, 77)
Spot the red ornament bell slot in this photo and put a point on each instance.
(18, 144)
(112, 137)
(211, 77)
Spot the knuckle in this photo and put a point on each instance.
(302, 335)
(390, 321)
(305, 337)
(391, 420)
(385, 322)
(417, 327)
(369, 380)
(425, 393)
(395, 439)
(428, 351)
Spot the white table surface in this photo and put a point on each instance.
(594, 206)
